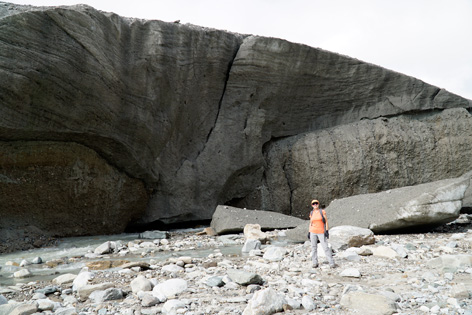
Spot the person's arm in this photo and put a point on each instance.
(326, 218)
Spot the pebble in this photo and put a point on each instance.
(171, 287)
(405, 274)
(23, 273)
(351, 273)
(37, 260)
(140, 283)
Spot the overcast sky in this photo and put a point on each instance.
(426, 39)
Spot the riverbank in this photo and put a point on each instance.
(404, 274)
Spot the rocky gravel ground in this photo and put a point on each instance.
(428, 273)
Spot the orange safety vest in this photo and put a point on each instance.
(316, 223)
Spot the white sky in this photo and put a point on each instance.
(426, 39)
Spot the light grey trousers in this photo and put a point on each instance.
(314, 248)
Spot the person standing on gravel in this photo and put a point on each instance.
(319, 232)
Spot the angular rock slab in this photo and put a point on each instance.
(433, 203)
(228, 219)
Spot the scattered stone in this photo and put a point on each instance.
(64, 279)
(70, 300)
(350, 255)
(172, 268)
(209, 231)
(154, 235)
(287, 307)
(391, 295)
(66, 311)
(54, 263)
(256, 252)
(231, 239)
(251, 244)
(266, 301)
(384, 251)
(243, 277)
(86, 290)
(254, 232)
(253, 288)
(105, 248)
(401, 251)
(141, 283)
(159, 295)
(105, 264)
(350, 273)
(24, 263)
(452, 244)
(215, 281)
(346, 236)
(48, 290)
(3, 300)
(451, 263)
(45, 305)
(37, 260)
(149, 300)
(25, 309)
(171, 288)
(187, 260)
(142, 265)
(424, 309)
(274, 253)
(308, 303)
(364, 251)
(23, 273)
(460, 291)
(81, 280)
(110, 294)
(173, 307)
(366, 303)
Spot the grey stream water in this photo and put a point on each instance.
(78, 247)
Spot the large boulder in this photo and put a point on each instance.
(202, 117)
(428, 204)
(228, 219)
(367, 157)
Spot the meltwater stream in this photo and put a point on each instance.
(78, 247)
